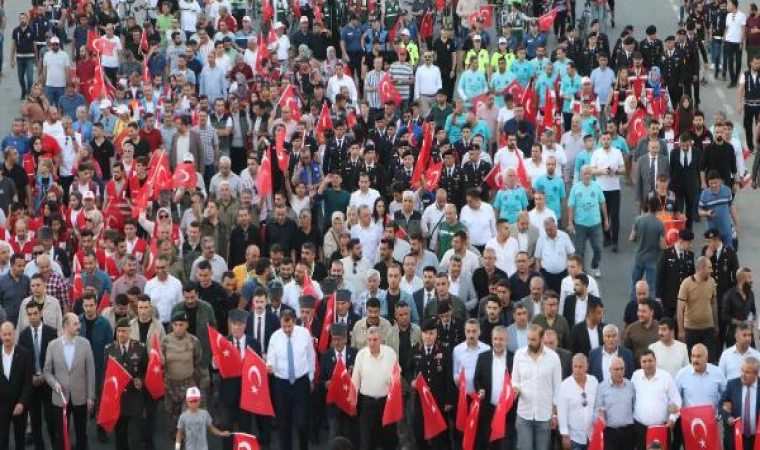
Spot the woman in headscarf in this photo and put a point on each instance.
(163, 224)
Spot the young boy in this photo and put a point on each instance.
(194, 423)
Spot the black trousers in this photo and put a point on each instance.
(687, 200)
(291, 403)
(342, 425)
(149, 424)
(79, 413)
(705, 337)
(751, 117)
(17, 423)
(553, 280)
(231, 415)
(238, 158)
(612, 199)
(372, 432)
(40, 407)
(733, 60)
(128, 433)
(622, 438)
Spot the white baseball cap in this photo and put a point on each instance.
(55, 40)
(405, 32)
(105, 104)
(193, 393)
(188, 158)
(122, 109)
(304, 19)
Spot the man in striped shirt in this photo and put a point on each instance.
(403, 76)
(372, 86)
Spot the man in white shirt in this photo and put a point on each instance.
(55, 71)
(110, 53)
(465, 355)
(575, 405)
(734, 38)
(290, 360)
(552, 250)
(468, 259)
(672, 355)
(355, 267)
(607, 164)
(536, 378)
(433, 216)
(479, 219)
(164, 290)
(427, 82)
(540, 212)
(339, 80)
(365, 196)
(657, 399)
(505, 247)
(731, 359)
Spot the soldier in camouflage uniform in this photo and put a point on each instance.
(183, 368)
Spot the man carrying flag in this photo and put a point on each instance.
(341, 424)
(133, 357)
(431, 360)
(490, 370)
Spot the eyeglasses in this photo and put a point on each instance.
(41, 252)
(163, 216)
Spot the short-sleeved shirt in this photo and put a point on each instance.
(57, 65)
(697, 295)
(554, 189)
(585, 202)
(720, 203)
(649, 229)
(194, 428)
(510, 203)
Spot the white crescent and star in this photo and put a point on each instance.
(699, 423)
(254, 370)
(243, 446)
(429, 400)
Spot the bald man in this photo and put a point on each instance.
(15, 388)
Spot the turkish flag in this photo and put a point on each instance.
(615, 102)
(140, 202)
(267, 11)
(264, 177)
(114, 383)
(506, 401)
(77, 287)
(658, 433)
(271, 37)
(516, 89)
(388, 91)
(105, 302)
(159, 161)
(226, 356)
(545, 22)
(144, 45)
(471, 428)
(461, 422)
(262, 52)
(672, 228)
(738, 441)
(596, 442)
(289, 99)
(308, 287)
(325, 121)
(324, 335)
(283, 157)
(65, 423)
(342, 391)
(432, 418)
(522, 174)
(495, 178)
(426, 26)
(394, 404)
(485, 12)
(297, 8)
(700, 430)
(351, 119)
(424, 157)
(92, 36)
(636, 128)
(244, 441)
(163, 181)
(433, 175)
(548, 119)
(185, 176)
(394, 30)
(154, 376)
(93, 88)
(254, 394)
(479, 101)
(529, 104)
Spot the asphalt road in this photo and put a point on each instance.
(616, 268)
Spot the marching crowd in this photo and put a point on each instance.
(365, 225)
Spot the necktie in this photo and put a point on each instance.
(747, 413)
(651, 173)
(429, 297)
(123, 352)
(291, 362)
(258, 329)
(36, 350)
(340, 356)
(427, 351)
(685, 159)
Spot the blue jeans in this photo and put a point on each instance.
(594, 236)
(25, 68)
(647, 269)
(716, 54)
(53, 94)
(532, 434)
(576, 446)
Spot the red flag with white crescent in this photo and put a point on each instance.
(471, 429)
(245, 441)
(342, 391)
(226, 356)
(516, 89)
(288, 99)
(185, 176)
(324, 335)
(114, 383)
(283, 157)
(394, 404)
(264, 177)
(154, 376)
(485, 12)
(388, 91)
(254, 394)
(424, 157)
(495, 178)
(659, 433)
(325, 121)
(479, 101)
(461, 421)
(506, 401)
(596, 442)
(700, 429)
(636, 128)
(529, 103)
(105, 301)
(433, 175)
(432, 417)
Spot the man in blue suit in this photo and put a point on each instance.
(341, 424)
(738, 391)
(610, 349)
(262, 322)
(229, 388)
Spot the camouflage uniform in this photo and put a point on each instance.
(182, 369)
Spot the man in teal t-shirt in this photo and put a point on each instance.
(586, 208)
(512, 200)
(552, 186)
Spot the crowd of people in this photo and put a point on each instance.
(402, 189)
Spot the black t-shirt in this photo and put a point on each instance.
(20, 178)
(24, 40)
(103, 154)
(141, 148)
(90, 324)
(444, 51)
(144, 327)
(192, 313)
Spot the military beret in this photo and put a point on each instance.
(123, 323)
(307, 301)
(444, 306)
(686, 235)
(712, 233)
(343, 295)
(339, 329)
(180, 316)
(238, 315)
(430, 324)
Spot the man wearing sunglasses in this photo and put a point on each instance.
(55, 71)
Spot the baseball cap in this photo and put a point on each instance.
(88, 195)
(503, 40)
(105, 103)
(279, 25)
(405, 32)
(188, 158)
(122, 109)
(55, 40)
(304, 19)
(476, 37)
(193, 393)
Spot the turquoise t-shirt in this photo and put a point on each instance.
(590, 126)
(510, 203)
(582, 159)
(586, 202)
(619, 143)
(554, 189)
(523, 70)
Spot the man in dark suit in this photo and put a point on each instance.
(684, 177)
(673, 70)
(35, 339)
(275, 304)
(675, 265)
(565, 357)
(733, 406)
(611, 348)
(343, 312)
(15, 388)
(133, 357)
(452, 178)
(450, 330)
(489, 386)
(433, 361)
(352, 167)
(374, 169)
(229, 388)
(650, 167)
(577, 300)
(341, 424)
(262, 322)
(336, 150)
(475, 172)
(580, 342)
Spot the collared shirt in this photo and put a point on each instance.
(498, 368)
(303, 352)
(68, 351)
(617, 400)
(606, 360)
(701, 389)
(7, 362)
(465, 357)
(553, 252)
(57, 286)
(164, 295)
(653, 396)
(372, 373)
(731, 361)
(538, 382)
(575, 408)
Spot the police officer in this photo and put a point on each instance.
(475, 171)
(690, 54)
(336, 150)
(749, 98)
(452, 178)
(183, 367)
(672, 67)
(725, 263)
(651, 48)
(675, 265)
(450, 330)
(133, 357)
(433, 361)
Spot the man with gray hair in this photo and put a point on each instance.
(225, 174)
(614, 404)
(408, 218)
(575, 404)
(599, 359)
(490, 369)
(372, 280)
(734, 403)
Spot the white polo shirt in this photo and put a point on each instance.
(611, 158)
(734, 24)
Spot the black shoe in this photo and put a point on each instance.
(607, 243)
(613, 23)
(102, 436)
(614, 248)
(724, 77)
(731, 85)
